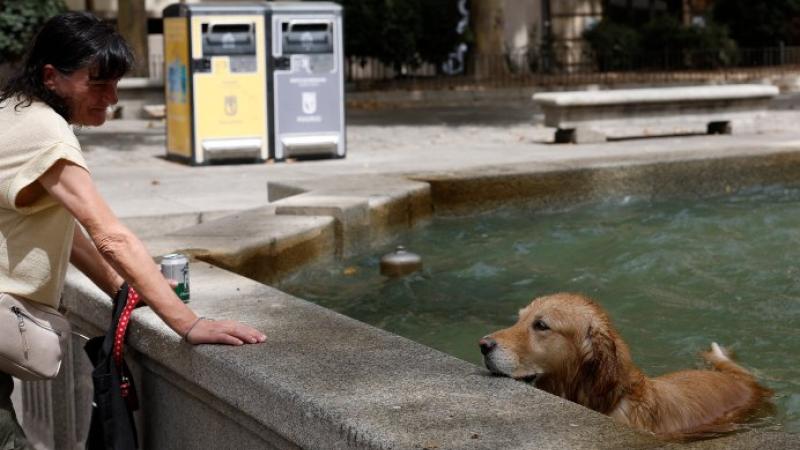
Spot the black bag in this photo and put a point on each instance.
(112, 426)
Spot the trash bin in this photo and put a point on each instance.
(216, 82)
(306, 79)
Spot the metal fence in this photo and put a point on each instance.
(577, 66)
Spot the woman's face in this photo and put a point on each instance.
(87, 98)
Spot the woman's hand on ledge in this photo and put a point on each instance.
(227, 332)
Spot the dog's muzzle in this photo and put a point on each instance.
(487, 345)
(528, 379)
(497, 362)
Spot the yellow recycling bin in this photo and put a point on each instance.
(216, 82)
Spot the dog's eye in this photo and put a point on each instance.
(539, 325)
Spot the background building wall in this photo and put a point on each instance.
(569, 19)
(523, 27)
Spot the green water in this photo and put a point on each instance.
(674, 275)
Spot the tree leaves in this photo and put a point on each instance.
(760, 23)
(19, 22)
(401, 32)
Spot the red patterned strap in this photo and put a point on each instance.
(122, 326)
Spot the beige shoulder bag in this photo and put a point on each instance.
(31, 338)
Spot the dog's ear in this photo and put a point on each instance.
(600, 374)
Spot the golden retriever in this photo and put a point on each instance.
(566, 344)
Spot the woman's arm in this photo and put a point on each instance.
(88, 260)
(72, 186)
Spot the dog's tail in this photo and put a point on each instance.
(721, 359)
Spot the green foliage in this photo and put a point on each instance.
(402, 27)
(400, 32)
(19, 22)
(363, 21)
(439, 36)
(616, 46)
(709, 47)
(663, 32)
(661, 43)
(760, 23)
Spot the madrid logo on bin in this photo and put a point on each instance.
(307, 41)
(309, 102)
(231, 105)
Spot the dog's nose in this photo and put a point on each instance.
(487, 345)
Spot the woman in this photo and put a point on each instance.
(70, 78)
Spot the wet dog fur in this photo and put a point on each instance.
(566, 345)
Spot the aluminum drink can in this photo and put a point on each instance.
(175, 267)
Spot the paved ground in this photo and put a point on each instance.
(126, 156)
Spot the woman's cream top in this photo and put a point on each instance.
(36, 240)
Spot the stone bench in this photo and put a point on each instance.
(595, 116)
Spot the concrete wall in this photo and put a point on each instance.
(570, 18)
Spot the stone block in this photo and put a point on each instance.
(255, 243)
(393, 202)
(580, 135)
(351, 215)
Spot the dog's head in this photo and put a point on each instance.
(564, 342)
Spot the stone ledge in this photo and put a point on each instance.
(541, 185)
(350, 214)
(153, 226)
(255, 243)
(307, 221)
(325, 381)
(394, 202)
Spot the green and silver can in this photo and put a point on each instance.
(175, 268)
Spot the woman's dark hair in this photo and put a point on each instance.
(69, 42)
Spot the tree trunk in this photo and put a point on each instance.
(487, 25)
(686, 10)
(132, 24)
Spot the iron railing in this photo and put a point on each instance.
(577, 66)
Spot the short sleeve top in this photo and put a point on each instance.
(35, 240)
